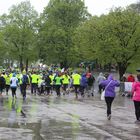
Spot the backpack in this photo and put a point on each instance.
(25, 79)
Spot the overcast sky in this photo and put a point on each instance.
(95, 7)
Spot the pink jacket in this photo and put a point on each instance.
(136, 91)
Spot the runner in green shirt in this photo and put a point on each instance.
(34, 82)
(76, 82)
(7, 79)
(66, 82)
(58, 82)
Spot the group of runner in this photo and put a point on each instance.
(47, 82)
(65, 82)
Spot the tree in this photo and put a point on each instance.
(58, 23)
(19, 32)
(2, 49)
(85, 39)
(135, 7)
(116, 38)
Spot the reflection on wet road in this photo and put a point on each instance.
(64, 118)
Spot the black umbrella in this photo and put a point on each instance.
(138, 70)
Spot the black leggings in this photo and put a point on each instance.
(137, 109)
(57, 88)
(23, 90)
(65, 86)
(33, 88)
(7, 88)
(48, 89)
(109, 101)
(76, 87)
(82, 90)
(13, 91)
(101, 88)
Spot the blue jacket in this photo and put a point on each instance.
(84, 81)
(110, 90)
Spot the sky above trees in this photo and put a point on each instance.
(95, 7)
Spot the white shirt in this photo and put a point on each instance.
(14, 82)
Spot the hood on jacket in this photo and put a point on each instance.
(101, 74)
(110, 77)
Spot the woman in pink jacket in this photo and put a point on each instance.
(136, 98)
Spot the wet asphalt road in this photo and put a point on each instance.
(64, 118)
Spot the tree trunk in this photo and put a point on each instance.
(11, 63)
(21, 63)
(109, 67)
(64, 64)
(122, 69)
(27, 62)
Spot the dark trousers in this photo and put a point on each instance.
(52, 88)
(1, 88)
(101, 88)
(82, 90)
(57, 88)
(7, 88)
(23, 90)
(122, 87)
(48, 89)
(13, 91)
(76, 87)
(65, 86)
(137, 109)
(41, 89)
(33, 87)
(109, 101)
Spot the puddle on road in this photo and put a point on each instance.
(31, 120)
(28, 121)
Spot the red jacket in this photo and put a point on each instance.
(130, 78)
